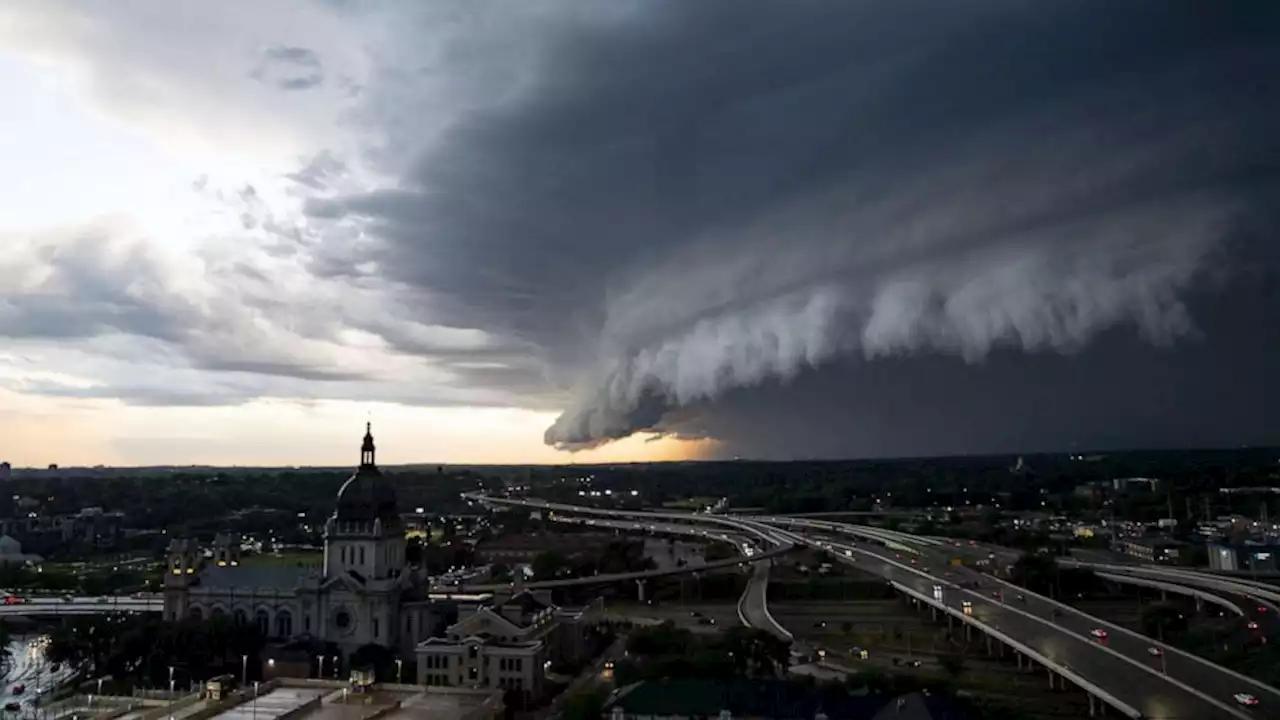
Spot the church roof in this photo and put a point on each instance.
(254, 579)
(367, 496)
(9, 546)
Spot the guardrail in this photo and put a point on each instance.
(1010, 608)
(1170, 587)
(72, 608)
(1265, 594)
(1026, 650)
(1259, 685)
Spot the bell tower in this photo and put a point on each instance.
(179, 576)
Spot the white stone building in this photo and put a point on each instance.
(508, 646)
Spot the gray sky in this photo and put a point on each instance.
(805, 228)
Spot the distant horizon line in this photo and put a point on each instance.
(700, 461)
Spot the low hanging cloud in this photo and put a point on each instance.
(691, 198)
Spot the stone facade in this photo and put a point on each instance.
(361, 594)
(507, 646)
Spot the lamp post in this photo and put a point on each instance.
(399, 671)
(171, 688)
(244, 669)
(255, 700)
(335, 666)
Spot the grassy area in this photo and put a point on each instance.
(284, 559)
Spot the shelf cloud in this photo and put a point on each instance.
(692, 198)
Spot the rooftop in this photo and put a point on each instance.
(768, 699)
(281, 577)
(271, 705)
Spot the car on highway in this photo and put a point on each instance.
(13, 707)
(19, 689)
(1099, 633)
(968, 607)
(1246, 699)
(14, 600)
(1154, 651)
(1252, 625)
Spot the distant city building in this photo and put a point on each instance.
(11, 553)
(6, 471)
(1154, 550)
(1243, 558)
(1128, 484)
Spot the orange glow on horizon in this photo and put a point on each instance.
(282, 433)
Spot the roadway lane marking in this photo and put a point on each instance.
(1058, 628)
(1274, 693)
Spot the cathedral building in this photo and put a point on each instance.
(361, 594)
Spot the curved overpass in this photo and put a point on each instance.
(1216, 685)
(1120, 670)
(1121, 667)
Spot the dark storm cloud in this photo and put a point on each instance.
(698, 197)
(290, 68)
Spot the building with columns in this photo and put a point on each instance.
(361, 594)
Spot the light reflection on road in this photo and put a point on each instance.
(27, 666)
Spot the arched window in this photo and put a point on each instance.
(196, 614)
(241, 617)
(218, 613)
(263, 621)
(284, 624)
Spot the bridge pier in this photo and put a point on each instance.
(1093, 705)
(1051, 679)
(1018, 656)
(989, 652)
(640, 590)
(1199, 604)
(933, 610)
(968, 632)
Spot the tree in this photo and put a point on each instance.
(586, 705)
(413, 551)
(756, 652)
(547, 565)
(953, 665)
(1159, 620)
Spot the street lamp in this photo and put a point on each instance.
(399, 671)
(255, 700)
(320, 671)
(335, 665)
(244, 669)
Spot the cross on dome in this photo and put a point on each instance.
(367, 448)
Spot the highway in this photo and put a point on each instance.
(1122, 666)
(1190, 671)
(1127, 672)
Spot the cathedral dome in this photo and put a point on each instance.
(367, 496)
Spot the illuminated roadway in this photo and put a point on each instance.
(1122, 667)
(1136, 678)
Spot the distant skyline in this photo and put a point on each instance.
(640, 230)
